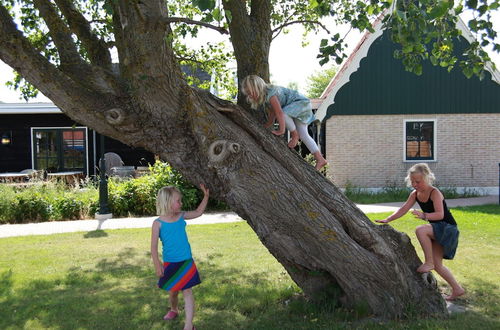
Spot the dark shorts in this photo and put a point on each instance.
(179, 276)
(446, 235)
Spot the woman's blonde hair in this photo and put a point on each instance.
(424, 170)
(165, 198)
(253, 84)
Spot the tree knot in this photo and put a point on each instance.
(220, 151)
(429, 280)
(114, 116)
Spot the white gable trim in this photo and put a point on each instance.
(351, 65)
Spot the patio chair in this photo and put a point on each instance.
(112, 160)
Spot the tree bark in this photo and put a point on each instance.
(327, 245)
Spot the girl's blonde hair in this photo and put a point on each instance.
(424, 170)
(165, 198)
(253, 84)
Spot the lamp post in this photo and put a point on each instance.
(104, 212)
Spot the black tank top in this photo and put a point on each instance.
(428, 207)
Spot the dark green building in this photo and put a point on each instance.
(378, 120)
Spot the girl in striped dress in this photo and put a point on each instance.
(178, 271)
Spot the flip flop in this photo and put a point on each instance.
(170, 315)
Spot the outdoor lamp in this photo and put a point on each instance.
(6, 138)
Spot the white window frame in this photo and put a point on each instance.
(434, 137)
(61, 128)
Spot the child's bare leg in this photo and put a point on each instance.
(320, 160)
(173, 298)
(189, 308)
(425, 236)
(294, 139)
(445, 273)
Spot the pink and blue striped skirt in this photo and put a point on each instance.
(179, 276)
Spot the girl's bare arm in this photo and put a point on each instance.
(278, 113)
(201, 208)
(155, 235)
(402, 210)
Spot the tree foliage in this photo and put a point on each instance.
(318, 81)
(425, 30)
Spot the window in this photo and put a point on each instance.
(60, 149)
(419, 140)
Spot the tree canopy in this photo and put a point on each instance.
(318, 81)
(425, 30)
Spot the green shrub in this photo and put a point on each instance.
(31, 208)
(138, 196)
(44, 201)
(69, 208)
(7, 196)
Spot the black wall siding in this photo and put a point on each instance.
(18, 155)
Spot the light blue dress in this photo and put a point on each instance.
(293, 103)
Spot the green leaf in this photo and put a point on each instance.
(433, 60)
(313, 4)
(418, 69)
(217, 14)
(229, 16)
(204, 4)
(439, 10)
(401, 14)
(482, 9)
(468, 72)
(472, 4)
(408, 48)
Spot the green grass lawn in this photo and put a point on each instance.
(105, 280)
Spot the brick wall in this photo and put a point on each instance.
(368, 151)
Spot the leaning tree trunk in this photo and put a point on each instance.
(327, 245)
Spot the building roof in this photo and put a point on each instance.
(29, 108)
(360, 52)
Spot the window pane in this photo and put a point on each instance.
(46, 150)
(60, 149)
(73, 149)
(420, 140)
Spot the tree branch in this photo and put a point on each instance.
(18, 52)
(146, 56)
(219, 29)
(71, 61)
(281, 27)
(61, 35)
(96, 47)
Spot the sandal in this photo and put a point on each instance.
(170, 315)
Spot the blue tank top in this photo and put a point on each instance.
(174, 240)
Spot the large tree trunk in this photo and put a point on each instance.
(327, 245)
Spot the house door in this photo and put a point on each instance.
(60, 149)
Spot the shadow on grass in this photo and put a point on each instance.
(95, 234)
(121, 293)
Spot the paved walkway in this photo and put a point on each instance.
(45, 228)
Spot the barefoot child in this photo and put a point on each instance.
(287, 106)
(178, 271)
(438, 238)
